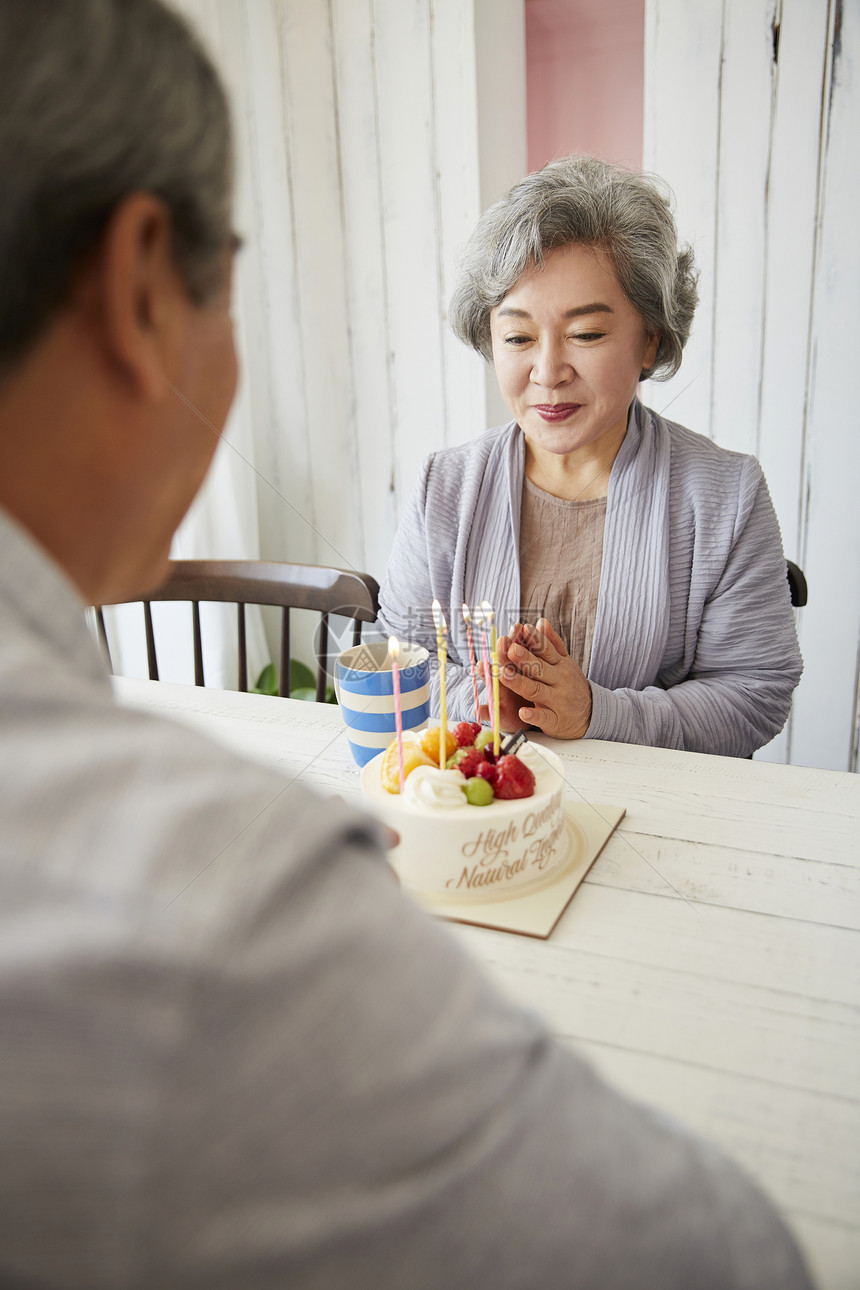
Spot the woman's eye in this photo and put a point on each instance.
(589, 335)
(517, 340)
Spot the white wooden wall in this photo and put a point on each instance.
(752, 114)
(358, 126)
(370, 135)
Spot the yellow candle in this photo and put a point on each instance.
(442, 651)
(490, 617)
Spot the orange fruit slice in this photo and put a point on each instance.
(430, 743)
(413, 755)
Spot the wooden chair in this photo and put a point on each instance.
(256, 582)
(797, 584)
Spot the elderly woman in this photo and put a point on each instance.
(641, 564)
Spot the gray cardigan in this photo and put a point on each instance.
(694, 642)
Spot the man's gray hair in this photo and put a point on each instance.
(100, 99)
(625, 214)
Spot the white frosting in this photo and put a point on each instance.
(440, 789)
(473, 854)
(531, 757)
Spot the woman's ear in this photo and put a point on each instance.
(649, 358)
(142, 300)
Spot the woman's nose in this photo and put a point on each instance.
(551, 366)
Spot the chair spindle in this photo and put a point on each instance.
(322, 659)
(284, 674)
(151, 657)
(198, 644)
(243, 660)
(103, 640)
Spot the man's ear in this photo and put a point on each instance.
(142, 300)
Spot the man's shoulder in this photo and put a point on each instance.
(135, 809)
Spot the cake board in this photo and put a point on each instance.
(535, 912)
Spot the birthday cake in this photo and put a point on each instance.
(483, 828)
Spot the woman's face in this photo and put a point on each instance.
(568, 348)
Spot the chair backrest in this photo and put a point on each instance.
(796, 583)
(257, 582)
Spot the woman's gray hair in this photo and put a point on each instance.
(100, 99)
(625, 214)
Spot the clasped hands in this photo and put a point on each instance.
(540, 684)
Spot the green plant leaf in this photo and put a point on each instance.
(306, 692)
(302, 682)
(301, 676)
(267, 681)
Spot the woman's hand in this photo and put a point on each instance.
(542, 683)
(509, 702)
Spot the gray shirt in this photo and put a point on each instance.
(233, 1055)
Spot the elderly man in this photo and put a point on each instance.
(231, 1053)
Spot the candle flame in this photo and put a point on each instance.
(489, 613)
(438, 617)
(466, 615)
(393, 648)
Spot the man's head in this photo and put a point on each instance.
(100, 99)
(115, 252)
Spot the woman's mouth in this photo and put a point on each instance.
(556, 411)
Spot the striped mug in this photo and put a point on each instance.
(364, 685)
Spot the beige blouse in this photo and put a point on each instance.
(561, 551)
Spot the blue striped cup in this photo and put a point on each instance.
(364, 685)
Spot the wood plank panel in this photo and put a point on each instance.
(729, 947)
(273, 345)
(792, 1141)
(825, 711)
(793, 201)
(591, 983)
(792, 196)
(453, 84)
(826, 892)
(741, 234)
(366, 276)
(683, 53)
(832, 1250)
(312, 121)
(408, 186)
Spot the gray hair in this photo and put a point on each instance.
(100, 99)
(624, 213)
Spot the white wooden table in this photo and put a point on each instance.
(710, 963)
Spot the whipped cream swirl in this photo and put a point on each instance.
(531, 757)
(429, 786)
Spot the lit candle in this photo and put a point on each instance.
(394, 655)
(472, 663)
(490, 618)
(442, 651)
